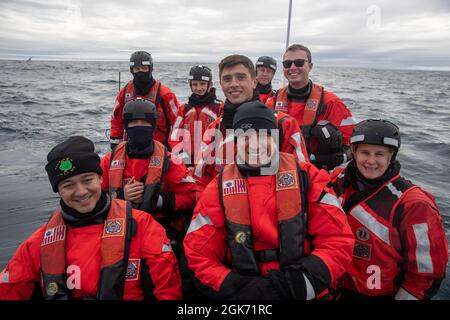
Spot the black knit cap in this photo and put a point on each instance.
(72, 157)
(254, 115)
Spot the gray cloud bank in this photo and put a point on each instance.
(409, 34)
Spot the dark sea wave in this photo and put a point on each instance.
(42, 103)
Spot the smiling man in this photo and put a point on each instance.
(92, 247)
(309, 103)
(238, 81)
(264, 231)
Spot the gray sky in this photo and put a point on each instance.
(384, 33)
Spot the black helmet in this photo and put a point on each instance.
(325, 145)
(267, 62)
(379, 132)
(374, 131)
(139, 109)
(141, 58)
(201, 73)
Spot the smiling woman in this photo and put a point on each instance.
(398, 226)
(372, 161)
(374, 145)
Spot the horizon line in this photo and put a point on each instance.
(409, 68)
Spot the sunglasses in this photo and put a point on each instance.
(298, 63)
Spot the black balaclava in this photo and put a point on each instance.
(143, 81)
(140, 141)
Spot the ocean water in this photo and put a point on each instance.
(44, 102)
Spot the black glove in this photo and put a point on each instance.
(151, 196)
(289, 284)
(239, 287)
(168, 201)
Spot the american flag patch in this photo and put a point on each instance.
(155, 162)
(281, 106)
(117, 164)
(55, 234)
(234, 186)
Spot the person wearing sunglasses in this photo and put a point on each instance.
(401, 250)
(308, 102)
(197, 114)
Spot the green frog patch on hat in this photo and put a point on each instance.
(65, 166)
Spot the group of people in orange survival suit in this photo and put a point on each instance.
(271, 194)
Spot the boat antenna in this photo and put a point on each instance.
(288, 30)
(119, 80)
(289, 24)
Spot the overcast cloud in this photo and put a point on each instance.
(410, 34)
